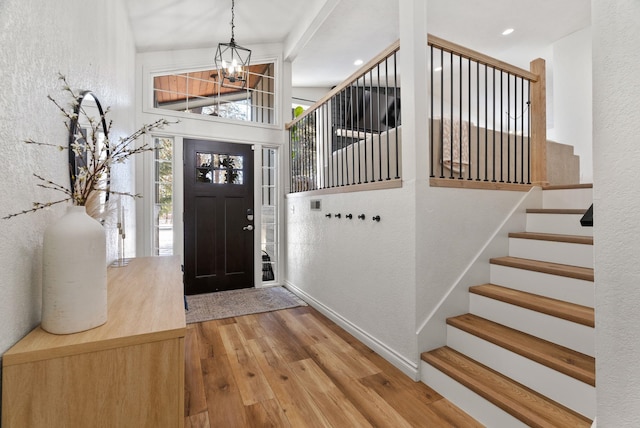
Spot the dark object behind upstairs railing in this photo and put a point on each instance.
(587, 218)
(352, 135)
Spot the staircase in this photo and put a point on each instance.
(524, 355)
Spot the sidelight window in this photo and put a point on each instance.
(163, 196)
(269, 235)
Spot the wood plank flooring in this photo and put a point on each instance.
(296, 368)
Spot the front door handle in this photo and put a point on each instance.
(249, 228)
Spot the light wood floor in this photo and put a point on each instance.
(296, 368)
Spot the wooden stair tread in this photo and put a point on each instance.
(575, 364)
(570, 271)
(568, 186)
(579, 211)
(516, 399)
(553, 237)
(556, 308)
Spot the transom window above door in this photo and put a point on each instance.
(199, 92)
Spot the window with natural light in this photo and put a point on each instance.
(269, 235)
(199, 92)
(163, 197)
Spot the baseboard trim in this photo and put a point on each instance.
(403, 364)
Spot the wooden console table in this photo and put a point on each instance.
(128, 372)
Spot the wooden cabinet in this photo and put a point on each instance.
(128, 372)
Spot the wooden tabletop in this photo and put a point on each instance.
(145, 304)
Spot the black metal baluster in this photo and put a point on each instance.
(486, 123)
(368, 130)
(469, 121)
(501, 128)
(296, 157)
(344, 180)
(333, 125)
(431, 118)
(323, 144)
(395, 124)
(494, 124)
(441, 113)
(300, 156)
(305, 136)
(395, 113)
(298, 153)
(291, 152)
(386, 121)
(460, 120)
(355, 144)
(477, 121)
(515, 128)
(451, 116)
(508, 128)
(309, 153)
(305, 143)
(355, 132)
(522, 131)
(339, 138)
(529, 131)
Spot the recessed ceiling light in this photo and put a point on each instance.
(358, 62)
(507, 31)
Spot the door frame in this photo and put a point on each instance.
(144, 206)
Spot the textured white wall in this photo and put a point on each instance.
(616, 153)
(368, 274)
(572, 97)
(360, 269)
(385, 278)
(90, 42)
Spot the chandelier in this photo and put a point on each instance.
(232, 60)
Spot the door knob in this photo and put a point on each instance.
(249, 228)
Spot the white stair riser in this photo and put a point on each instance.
(555, 252)
(473, 404)
(565, 333)
(564, 389)
(571, 290)
(564, 224)
(567, 198)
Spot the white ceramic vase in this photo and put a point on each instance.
(74, 280)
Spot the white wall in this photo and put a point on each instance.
(616, 152)
(467, 228)
(359, 270)
(381, 281)
(308, 95)
(572, 98)
(90, 43)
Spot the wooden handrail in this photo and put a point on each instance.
(394, 47)
(481, 58)
(432, 41)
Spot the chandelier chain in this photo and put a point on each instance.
(233, 16)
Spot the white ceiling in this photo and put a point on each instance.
(324, 37)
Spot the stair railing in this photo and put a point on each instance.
(351, 136)
(487, 125)
(487, 120)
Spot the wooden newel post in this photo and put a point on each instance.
(539, 124)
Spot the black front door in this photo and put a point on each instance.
(218, 216)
